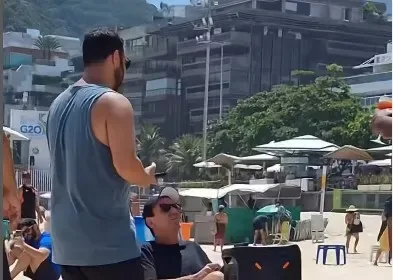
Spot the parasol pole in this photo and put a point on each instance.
(323, 189)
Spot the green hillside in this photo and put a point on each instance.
(74, 17)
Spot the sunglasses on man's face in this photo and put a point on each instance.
(167, 207)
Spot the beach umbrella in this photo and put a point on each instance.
(305, 143)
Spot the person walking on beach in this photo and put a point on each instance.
(221, 220)
(383, 239)
(354, 226)
(11, 202)
(92, 146)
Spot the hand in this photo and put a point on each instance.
(209, 268)
(382, 123)
(11, 208)
(19, 241)
(151, 171)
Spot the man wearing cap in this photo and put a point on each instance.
(30, 200)
(167, 257)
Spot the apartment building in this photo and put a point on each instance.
(376, 81)
(262, 41)
(32, 78)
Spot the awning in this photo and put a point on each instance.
(14, 135)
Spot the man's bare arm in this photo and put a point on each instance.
(9, 183)
(113, 116)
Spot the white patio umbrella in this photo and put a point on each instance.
(258, 158)
(306, 143)
(381, 163)
(247, 167)
(206, 164)
(274, 168)
(385, 149)
(14, 135)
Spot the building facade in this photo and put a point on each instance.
(377, 79)
(263, 42)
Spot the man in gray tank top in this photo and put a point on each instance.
(92, 146)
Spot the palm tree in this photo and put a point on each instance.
(184, 153)
(47, 44)
(151, 145)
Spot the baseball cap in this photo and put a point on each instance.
(170, 192)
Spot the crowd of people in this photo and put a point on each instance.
(92, 146)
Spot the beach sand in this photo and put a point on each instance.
(358, 265)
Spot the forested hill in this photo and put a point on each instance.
(74, 17)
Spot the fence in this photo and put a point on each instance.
(40, 179)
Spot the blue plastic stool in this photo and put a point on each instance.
(337, 248)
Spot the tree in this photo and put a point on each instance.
(151, 146)
(182, 155)
(325, 109)
(47, 44)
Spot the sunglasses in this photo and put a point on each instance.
(167, 207)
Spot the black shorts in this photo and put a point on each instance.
(6, 269)
(127, 270)
(259, 224)
(44, 272)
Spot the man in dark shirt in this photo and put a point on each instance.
(29, 198)
(260, 225)
(167, 257)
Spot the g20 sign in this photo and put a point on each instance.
(32, 129)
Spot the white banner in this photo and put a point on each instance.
(30, 123)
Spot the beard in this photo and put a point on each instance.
(119, 77)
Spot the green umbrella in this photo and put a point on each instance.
(268, 210)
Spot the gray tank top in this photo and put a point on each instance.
(90, 213)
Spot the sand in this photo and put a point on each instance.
(358, 265)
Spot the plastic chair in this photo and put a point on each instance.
(337, 248)
(374, 250)
(317, 228)
(283, 236)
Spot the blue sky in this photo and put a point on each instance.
(169, 2)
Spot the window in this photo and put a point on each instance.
(347, 14)
(202, 88)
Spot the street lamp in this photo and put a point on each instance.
(222, 44)
(207, 25)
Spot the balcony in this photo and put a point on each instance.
(198, 68)
(159, 94)
(233, 38)
(47, 89)
(142, 52)
(133, 74)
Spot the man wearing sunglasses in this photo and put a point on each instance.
(32, 252)
(167, 257)
(91, 137)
